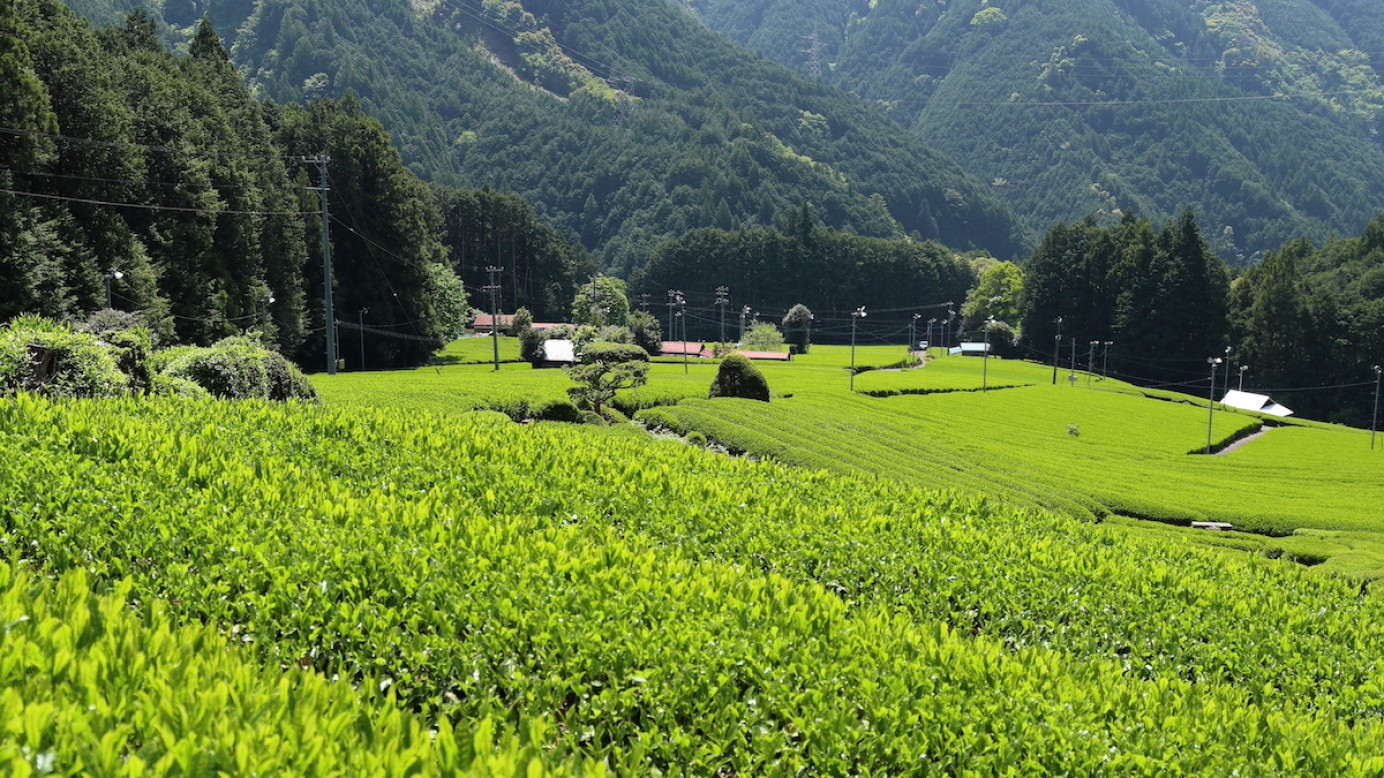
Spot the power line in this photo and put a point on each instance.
(147, 207)
(143, 146)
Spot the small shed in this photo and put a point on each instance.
(1249, 401)
(557, 353)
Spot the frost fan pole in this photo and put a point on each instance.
(321, 163)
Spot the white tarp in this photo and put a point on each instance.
(558, 351)
(1249, 401)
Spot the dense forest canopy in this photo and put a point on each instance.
(136, 179)
(624, 122)
(832, 273)
(1305, 325)
(1265, 117)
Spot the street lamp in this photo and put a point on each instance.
(856, 316)
(1243, 368)
(985, 356)
(264, 313)
(1091, 362)
(930, 322)
(913, 333)
(1056, 348)
(1105, 358)
(1211, 400)
(115, 274)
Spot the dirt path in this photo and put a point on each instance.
(1245, 441)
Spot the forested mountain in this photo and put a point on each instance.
(156, 184)
(622, 121)
(1264, 117)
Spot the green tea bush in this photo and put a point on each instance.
(94, 687)
(169, 386)
(48, 358)
(239, 368)
(555, 409)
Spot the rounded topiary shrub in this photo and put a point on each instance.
(738, 377)
(239, 369)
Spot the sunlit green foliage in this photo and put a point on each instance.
(665, 608)
(112, 685)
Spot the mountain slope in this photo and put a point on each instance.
(1263, 117)
(623, 121)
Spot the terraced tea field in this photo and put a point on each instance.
(630, 604)
(1099, 449)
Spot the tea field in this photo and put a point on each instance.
(441, 593)
(1099, 449)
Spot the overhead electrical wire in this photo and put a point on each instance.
(149, 207)
(144, 147)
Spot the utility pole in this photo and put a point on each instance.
(644, 301)
(682, 315)
(363, 311)
(1374, 424)
(744, 312)
(1071, 377)
(985, 355)
(1090, 362)
(1226, 385)
(1211, 400)
(722, 300)
(913, 333)
(494, 289)
(856, 315)
(321, 189)
(672, 333)
(1105, 359)
(930, 322)
(1056, 348)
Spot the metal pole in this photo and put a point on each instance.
(1225, 387)
(1375, 423)
(1090, 362)
(494, 289)
(1243, 368)
(363, 311)
(1056, 348)
(1072, 374)
(1105, 359)
(722, 298)
(682, 315)
(672, 333)
(1211, 400)
(985, 357)
(322, 190)
(856, 316)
